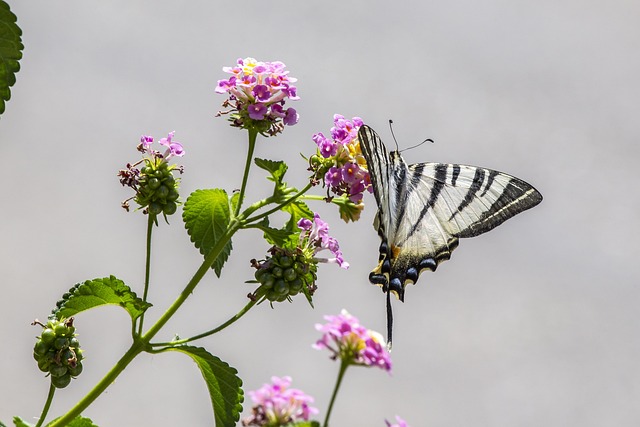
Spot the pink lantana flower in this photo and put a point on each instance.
(315, 238)
(277, 404)
(257, 93)
(341, 167)
(347, 340)
(156, 189)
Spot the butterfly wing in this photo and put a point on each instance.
(423, 209)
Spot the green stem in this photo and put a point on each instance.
(253, 134)
(141, 344)
(278, 207)
(136, 348)
(234, 226)
(313, 197)
(147, 269)
(343, 367)
(237, 316)
(47, 404)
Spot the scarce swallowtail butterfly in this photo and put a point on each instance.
(423, 209)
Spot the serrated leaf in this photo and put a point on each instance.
(19, 422)
(276, 236)
(11, 48)
(277, 169)
(97, 292)
(225, 387)
(298, 209)
(206, 216)
(79, 421)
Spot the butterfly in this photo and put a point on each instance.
(425, 208)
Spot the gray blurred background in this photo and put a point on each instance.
(533, 324)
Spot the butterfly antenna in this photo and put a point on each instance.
(396, 141)
(418, 145)
(389, 321)
(392, 134)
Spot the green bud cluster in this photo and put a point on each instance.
(58, 352)
(157, 188)
(285, 274)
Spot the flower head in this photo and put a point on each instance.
(291, 269)
(341, 167)
(315, 238)
(156, 189)
(399, 423)
(257, 95)
(349, 341)
(277, 404)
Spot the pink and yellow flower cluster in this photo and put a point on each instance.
(348, 340)
(277, 404)
(257, 94)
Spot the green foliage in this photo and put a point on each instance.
(97, 292)
(306, 424)
(276, 236)
(297, 209)
(80, 422)
(225, 387)
(10, 52)
(206, 216)
(277, 169)
(19, 422)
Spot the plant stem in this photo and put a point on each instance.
(135, 349)
(234, 226)
(237, 316)
(253, 134)
(343, 367)
(277, 208)
(147, 269)
(141, 344)
(47, 404)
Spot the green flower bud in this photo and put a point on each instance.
(277, 272)
(62, 381)
(281, 288)
(289, 274)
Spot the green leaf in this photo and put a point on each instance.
(306, 424)
(276, 236)
(277, 169)
(19, 422)
(78, 422)
(206, 216)
(225, 387)
(97, 292)
(11, 48)
(234, 201)
(297, 209)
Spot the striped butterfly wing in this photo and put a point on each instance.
(423, 209)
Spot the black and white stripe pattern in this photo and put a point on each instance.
(423, 209)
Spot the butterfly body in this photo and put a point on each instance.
(425, 208)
